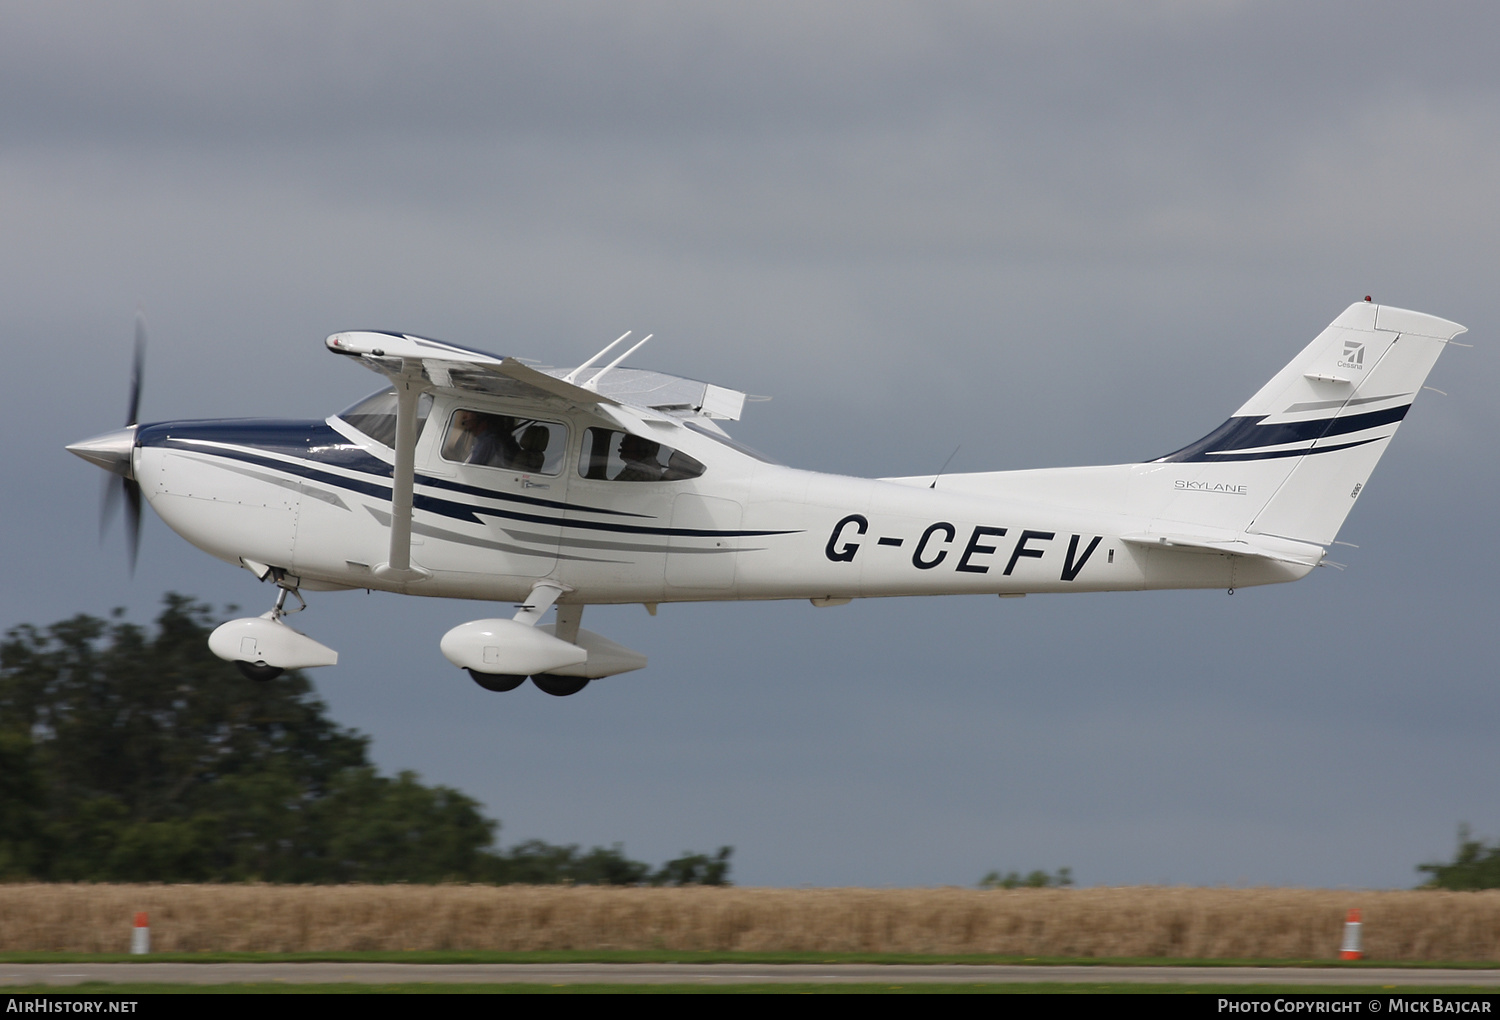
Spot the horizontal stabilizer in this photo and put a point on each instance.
(1260, 546)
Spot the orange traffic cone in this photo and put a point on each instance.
(1352, 927)
(140, 936)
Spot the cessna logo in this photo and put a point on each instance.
(1354, 355)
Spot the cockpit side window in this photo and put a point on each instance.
(621, 457)
(375, 415)
(505, 441)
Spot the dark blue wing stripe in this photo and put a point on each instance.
(1250, 434)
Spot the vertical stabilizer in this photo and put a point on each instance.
(1311, 436)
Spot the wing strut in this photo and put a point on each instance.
(572, 377)
(594, 379)
(408, 390)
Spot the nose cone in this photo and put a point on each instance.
(111, 451)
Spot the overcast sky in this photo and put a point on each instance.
(1043, 233)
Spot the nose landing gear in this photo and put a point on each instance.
(263, 647)
(261, 671)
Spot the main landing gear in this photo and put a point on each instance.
(551, 683)
(559, 686)
(559, 658)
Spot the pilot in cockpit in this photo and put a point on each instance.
(640, 457)
(479, 438)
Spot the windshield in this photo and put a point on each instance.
(375, 415)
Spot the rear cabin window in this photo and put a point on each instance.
(375, 415)
(505, 441)
(621, 457)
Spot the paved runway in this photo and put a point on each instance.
(710, 974)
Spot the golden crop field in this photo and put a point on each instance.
(1098, 922)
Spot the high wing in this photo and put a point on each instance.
(451, 367)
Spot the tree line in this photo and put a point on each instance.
(1474, 866)
(136, 756)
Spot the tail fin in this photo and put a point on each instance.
(1304, 446)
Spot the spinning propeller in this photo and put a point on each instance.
(112, 451)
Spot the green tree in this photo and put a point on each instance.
(397, 830)
(128, 756)
(23, 842)
(537, 863)
(696, 869)
(1035, 880)
(135, 756)
(1474, 866)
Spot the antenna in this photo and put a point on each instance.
(572, 376)
(935, 477)
(593, 383)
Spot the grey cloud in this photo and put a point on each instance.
(1230, 72)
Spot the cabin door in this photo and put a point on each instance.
(491, 492)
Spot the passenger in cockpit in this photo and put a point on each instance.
(532, 455)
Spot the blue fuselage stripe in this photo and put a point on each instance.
(294, 442)
(316, 442)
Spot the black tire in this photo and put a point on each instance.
(258, 671)
(497, 682)
(560, 686)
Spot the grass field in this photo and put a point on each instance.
(1137, 922)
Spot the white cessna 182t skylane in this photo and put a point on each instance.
(478, 477)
